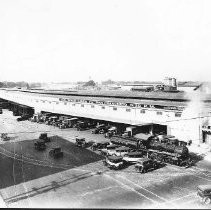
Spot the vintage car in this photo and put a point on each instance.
(111, 131)
(98, 128)
(5, 137)
(133, 157)
(145, 164)
(104, 129)
(109, 150)
(113, 162)
(56, 152)
(51, 120)
(121, 151)
(204, 193)
(100, 145)
(80, 142)
(44, 136)
(24, 117)
(40, 145)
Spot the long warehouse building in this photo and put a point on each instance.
(172, 113)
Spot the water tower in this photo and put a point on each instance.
(170, 83)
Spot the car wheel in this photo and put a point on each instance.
(207, 200)
(155, 166)
(142, 170)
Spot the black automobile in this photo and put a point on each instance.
(56, 152)
(114, 162)
(40, 145)
(80, 142)
(98, 128)
(145, 164)
(204, 193)
(24, 117)
(100, 145)
(44, 136)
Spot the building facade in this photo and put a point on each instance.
(160, 115)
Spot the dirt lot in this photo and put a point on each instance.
(31, 178)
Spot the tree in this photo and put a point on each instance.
(108, 82)
(90, 83)
(1, 84)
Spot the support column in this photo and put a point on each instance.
(151, 130)
(37, 110)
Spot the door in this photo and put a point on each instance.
(207, 137)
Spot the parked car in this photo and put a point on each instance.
(24, 117)
(98, 128)
(40, 145)
(121, 151)
(5, 137)
(113, 162)
(56, 152)
(100, 145)
(104, 129)
(145, 164)
(111, 131)
(65, 123)
(44, 136)
(80, 142)
(204, 193)
(109, 150)
(133, 157)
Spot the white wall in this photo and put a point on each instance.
(182, 129)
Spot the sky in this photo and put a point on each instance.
(78, 40)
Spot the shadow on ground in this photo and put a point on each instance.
(195, 157)
(28, 164)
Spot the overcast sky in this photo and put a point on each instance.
(54, 41)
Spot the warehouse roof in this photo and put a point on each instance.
(150, 98)
(114, 94)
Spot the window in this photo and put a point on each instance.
(128, 110)
(102, 107)
(92, 106)
(159, 113)
(82, 105)
(142, 111)
(114, 108)
(178, 114)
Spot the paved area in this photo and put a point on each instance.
(32, 179)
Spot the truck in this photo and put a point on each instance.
(111, 131)
(71, 122)
(130, 131)
(98, 128)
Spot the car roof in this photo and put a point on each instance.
(81, 138)
(100, 125)
(143, 160)
(135, 153)
(123, 148)
(204, 187)
(112, 145)
(56, 147)
(112, 157)
(103, 142)
(40, 141)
